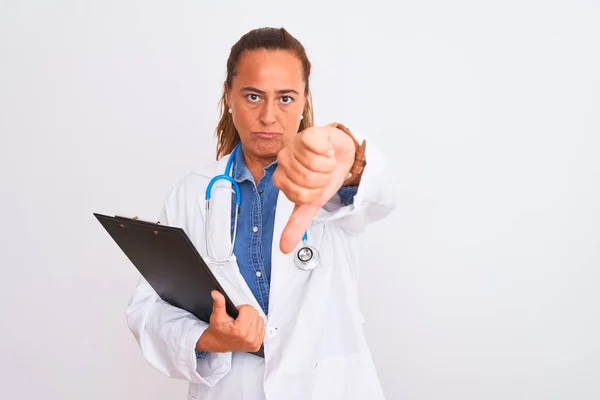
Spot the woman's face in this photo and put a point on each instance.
(267, 100)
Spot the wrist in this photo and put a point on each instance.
(203, 344)
(359, 162)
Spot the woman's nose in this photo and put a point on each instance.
(267, 115)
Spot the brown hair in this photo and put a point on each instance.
(268, 39)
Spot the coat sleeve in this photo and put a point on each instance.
(167, 335)
(373, 200)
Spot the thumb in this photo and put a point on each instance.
(218, 310)
(296, 226)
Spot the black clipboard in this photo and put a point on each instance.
(166, 257)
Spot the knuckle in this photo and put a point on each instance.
(242, 332)
(328, 165)
(313, 164)
(281, 158)
(290, 193)
(315, 180)
(278, 179)
(306, 196)
(244, 308)
(283, 184)
(306, 136)
(301, 197)
(308, 179)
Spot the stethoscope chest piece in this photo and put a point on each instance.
(307, 258)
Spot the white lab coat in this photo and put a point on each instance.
(314, 342)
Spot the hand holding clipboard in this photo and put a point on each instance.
(166, 257)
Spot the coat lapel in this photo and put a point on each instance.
(284, 273)
(219, 226)
(220, 210)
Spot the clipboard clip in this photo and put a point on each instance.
(135, 219)
(141, 220)
(125, 219)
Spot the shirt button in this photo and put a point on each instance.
(271, 332)
(255, 229)
(258, 273)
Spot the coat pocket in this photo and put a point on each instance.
(349, 377)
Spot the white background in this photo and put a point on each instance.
(482, 285)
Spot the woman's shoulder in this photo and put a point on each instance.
(193, 185)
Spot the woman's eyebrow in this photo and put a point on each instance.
(253, 89)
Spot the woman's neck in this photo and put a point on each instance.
(256, 165)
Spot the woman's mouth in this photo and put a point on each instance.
(266, 135)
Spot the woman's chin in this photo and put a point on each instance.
(266, 148)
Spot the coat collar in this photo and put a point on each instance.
(214, 168)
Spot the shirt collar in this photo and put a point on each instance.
(241, 173)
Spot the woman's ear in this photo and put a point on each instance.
(227, 93)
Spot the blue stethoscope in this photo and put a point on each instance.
(306, 258)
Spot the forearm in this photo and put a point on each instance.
(168, 336)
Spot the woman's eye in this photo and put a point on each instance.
(286, 99)
(253, 97)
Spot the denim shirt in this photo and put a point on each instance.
(254, 237)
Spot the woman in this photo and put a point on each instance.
(293, 178)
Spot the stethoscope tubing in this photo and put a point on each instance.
(310, 264)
